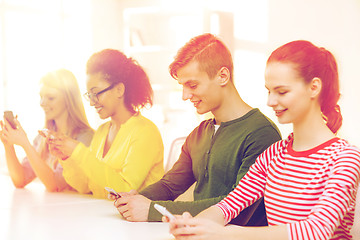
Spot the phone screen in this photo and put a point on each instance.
(9, 116)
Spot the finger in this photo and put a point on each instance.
(123, 209)
(17, 122)
(127, 215)
(133, 192)
(111, 196)
(183, 230)
(165, 219)
(186, 215)
(122, 200)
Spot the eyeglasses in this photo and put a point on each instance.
(94, 96)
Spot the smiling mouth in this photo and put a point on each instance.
(279, 112)
(98, 109)
(196, 103)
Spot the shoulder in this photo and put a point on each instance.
(141, 122)
(278, 147)
(141, 127)
(204, 126)
(257, 127)
(255, 119)
(343, 150)
(85, 136)
(88, 132)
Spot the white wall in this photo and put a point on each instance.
(335, 25)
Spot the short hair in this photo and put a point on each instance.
(311, 62)
(208, 51)
(122, 69)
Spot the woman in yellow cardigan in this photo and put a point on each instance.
(127, 151)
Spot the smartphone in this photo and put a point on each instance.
(164, 211)
(112, 192)
(9, 116)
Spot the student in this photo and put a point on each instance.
(64, 113)
(217, 153)
(310, 179)
(127, 151)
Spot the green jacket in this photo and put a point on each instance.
(216, 163)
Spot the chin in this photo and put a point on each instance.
(103, 116)
(49, 117)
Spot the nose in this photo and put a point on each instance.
(92, 102)
(186, 94)
(272, 101)
(42, 102)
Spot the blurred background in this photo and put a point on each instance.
(37, 36)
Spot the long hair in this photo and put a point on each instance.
(206, 49)
(118, 68)
(65, 81)
(311, 62)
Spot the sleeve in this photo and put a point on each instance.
(249, 190)
(73, 174)
(145, 149)
(176, 181)
(335, 202)
(84, 137)
(256, 143)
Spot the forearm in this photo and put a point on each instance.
(278, 232)
(213, 213)
(15, 168)
(178, 207)
(41, 169)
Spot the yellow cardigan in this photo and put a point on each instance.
(134, 160)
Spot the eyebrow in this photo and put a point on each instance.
(93, 88)
(277, 87)
(187, 82)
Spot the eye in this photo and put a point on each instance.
(193, 86)
(283, 92)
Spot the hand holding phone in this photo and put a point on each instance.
(46, 133)
(164, 211)
(9, 116)
(113, 192)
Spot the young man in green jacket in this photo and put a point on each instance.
(217, 153)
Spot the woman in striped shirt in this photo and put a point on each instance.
(310, 179)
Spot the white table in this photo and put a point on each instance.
(34, 213)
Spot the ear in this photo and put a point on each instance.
(315, 87)
(223, 76)
(120, 90)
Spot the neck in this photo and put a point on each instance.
(311, 132)
(232, 106)
(62, 124)
(120, 117)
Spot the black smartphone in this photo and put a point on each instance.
(9, 116)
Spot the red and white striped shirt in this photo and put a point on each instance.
(313, 191)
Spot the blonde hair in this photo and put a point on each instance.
(66, 83)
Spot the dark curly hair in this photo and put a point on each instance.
(122, 69)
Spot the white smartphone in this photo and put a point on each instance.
(112, 192)
(46, 133)
(164, 211)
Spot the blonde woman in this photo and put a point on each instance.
(61, 101)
